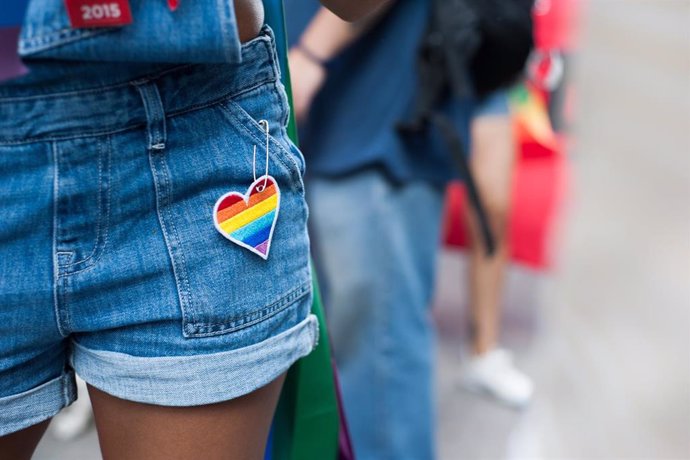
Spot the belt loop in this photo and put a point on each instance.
(155, 114)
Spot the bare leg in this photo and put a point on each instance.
(21, 445)
(236, 429)
(492, 166)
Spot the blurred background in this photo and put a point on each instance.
(597, 305)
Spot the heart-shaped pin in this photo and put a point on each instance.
(249, 219)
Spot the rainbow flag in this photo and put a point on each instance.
(531, 116)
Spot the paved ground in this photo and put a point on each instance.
(606, 337)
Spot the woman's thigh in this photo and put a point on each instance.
(235, 429)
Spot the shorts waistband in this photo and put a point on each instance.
(88, 99)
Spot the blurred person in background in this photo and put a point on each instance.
(376, 206)
(490, 369)
(376, 199)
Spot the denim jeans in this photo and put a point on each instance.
(110, 264)
(375, 247)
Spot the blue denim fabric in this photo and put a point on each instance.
(375, 245)
(109, 260)
(12, 13)
(199, 31)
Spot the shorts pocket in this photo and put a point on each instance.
(222, 286)
(267, 102)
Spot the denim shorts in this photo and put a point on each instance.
(110, 264)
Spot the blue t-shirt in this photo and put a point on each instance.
(372, 86)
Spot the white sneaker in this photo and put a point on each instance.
(495, 374)
(74, 420)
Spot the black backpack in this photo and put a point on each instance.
(506, 40)
(471, 47)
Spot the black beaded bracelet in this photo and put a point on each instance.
(310, 55)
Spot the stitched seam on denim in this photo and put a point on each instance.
(292, 168)
(142, 88)
(100, 89)
(98, 219)
(68, 137)
(65, 317)
(297, 293)
(213, 102)
(163, 199)
(101, 227)
(36, 44)
(279, 88)
(97, 90)
(200, 329)
(178, 243)
(159, 134)
(254, 123)
(282, 95)
(65, 387)
(220, 100)
(56, 264)
(75, 93)
(273, 52)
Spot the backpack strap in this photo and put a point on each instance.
(457, 151)
(450, 41)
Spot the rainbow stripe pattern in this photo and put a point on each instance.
(249, 220)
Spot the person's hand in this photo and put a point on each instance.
(307, 78)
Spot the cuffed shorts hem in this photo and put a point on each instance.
(198, 379)
(37, 404)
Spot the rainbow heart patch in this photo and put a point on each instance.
(249, 220)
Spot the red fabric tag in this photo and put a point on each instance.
(98, 13)
(173, 4)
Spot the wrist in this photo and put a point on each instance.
(311, 55)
